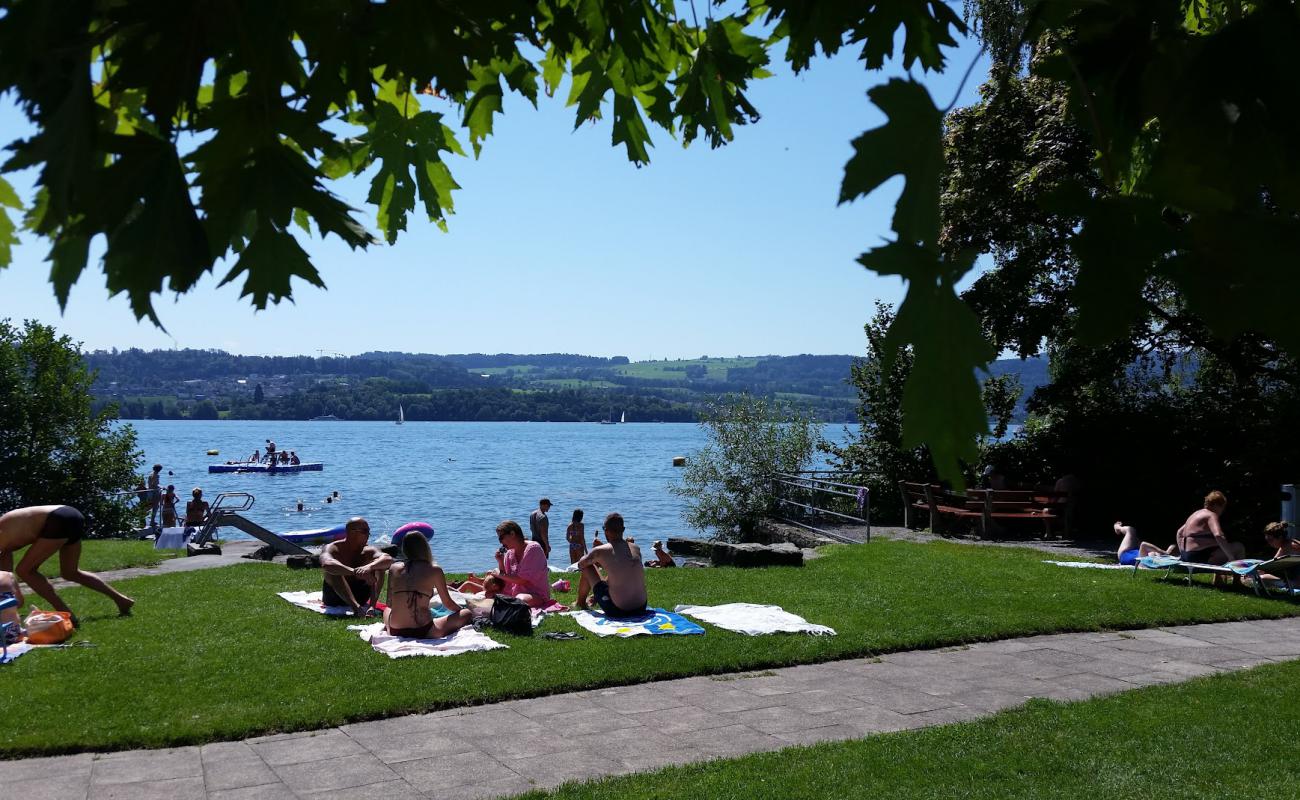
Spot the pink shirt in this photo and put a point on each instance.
(531, 569)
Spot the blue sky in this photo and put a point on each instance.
(559, 244)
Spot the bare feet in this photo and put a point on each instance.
(124, 607)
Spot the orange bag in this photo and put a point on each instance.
(48, 627)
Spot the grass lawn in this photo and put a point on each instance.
(215, 655)
(1219, 736)
(102, 555)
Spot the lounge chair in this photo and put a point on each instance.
(1250, 568)
(1253, 568)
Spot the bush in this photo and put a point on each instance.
(728, 483)
(53, 448)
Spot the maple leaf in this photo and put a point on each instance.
(8, 230)
(910, 144)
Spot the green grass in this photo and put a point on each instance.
(1211, 737)
(215, 655)
(102, 555)
(573, 383)
(660, 370)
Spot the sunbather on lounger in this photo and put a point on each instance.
(1201, 539)
(1277, 534)
(411, 585)
(1131, 546)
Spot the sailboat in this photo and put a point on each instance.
(401, 415)
(610, 419)
(622, 418)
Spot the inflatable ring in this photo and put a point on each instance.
(422, 527)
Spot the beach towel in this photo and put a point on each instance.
(1244, 566)
(1158, 562)
(13, 651)
(464, 640)
(312, 602)
(752, 619)
(1087, 564)
(656, 622)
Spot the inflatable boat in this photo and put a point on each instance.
(318, 536)
(315, 466)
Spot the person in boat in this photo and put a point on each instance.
(521, 566)
(411, 586)
(293, 458)
(270, 451)
(169, 502)
(353, 569)
(44, 531)
(621, 592)
(256, 457)
(196, 510)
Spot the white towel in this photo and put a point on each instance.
(754, 620)
(1088, 565)
(312, 602)
(464, 640)
(13, 651)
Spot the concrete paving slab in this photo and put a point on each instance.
(147, 765)
(266, 791)
(173, 789)
(51, 766)
(336, 773)
(325, 745)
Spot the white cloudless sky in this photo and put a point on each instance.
(559, 244)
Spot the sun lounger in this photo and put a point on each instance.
(1280, 568)
(1250, 568)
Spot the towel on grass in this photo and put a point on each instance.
(656, 622)
(312, 602)
(464, 640)
(13, 651)
(1088, 564)
(752, 619)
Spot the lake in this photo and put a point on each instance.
(461, 477)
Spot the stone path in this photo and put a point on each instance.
(505, 748)
(231, 553)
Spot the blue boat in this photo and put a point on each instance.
(270, 469)
(317, 536)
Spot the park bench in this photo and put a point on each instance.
(989, 506)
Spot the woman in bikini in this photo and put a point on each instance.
(411, 584)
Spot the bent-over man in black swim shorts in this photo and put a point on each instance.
(44, 531)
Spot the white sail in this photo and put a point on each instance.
(401, 415)
(622, 417)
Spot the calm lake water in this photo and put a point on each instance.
(461, 477)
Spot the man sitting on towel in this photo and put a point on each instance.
(621, 593)
(354, 570)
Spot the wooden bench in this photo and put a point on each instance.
(989, 506)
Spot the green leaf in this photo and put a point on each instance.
(942, 403)
(68, 256)
(8, 229)
(910, 144)
(630, 130)
(272, 258)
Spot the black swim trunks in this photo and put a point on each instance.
(601, 594)
(360, 590)
(1204, 555)
(64, 522)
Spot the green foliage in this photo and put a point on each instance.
(299, 672)
(53, 449)
(728, 482)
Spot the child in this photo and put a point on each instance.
(577, 536)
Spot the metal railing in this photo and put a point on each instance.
(803, 498)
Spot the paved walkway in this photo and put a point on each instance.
(505, 748)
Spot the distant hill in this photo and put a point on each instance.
(554, 386)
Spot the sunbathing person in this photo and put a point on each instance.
(49, 530)
(411, 585)
(661, 559)
(521, 566)
(1201, 539)
(489, 585)
(353, 570)
(1131, 546)
(621, 592)
(1278, 536)
(10, 590)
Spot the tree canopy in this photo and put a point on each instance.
(187, 134)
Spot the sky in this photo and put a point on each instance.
(559, 244)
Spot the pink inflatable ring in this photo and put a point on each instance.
(423, 527)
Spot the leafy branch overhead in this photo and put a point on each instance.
(187, 137)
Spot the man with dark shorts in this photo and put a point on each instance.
(44, 531)
(539, 525)
(621, 593)
(354, 570)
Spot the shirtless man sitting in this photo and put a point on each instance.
(49, 530)
(353, 570)
(621, 593)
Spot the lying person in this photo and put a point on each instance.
(489, 585)
(621, 591)
(1131, 547)
(411, 585)
(661, 559)
(353, 570)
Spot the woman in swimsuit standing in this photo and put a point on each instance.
(411, 584)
